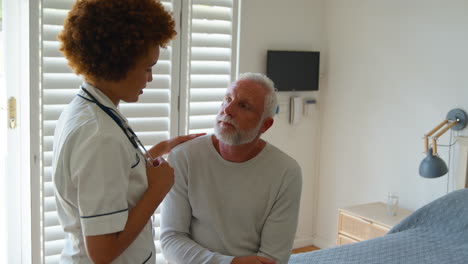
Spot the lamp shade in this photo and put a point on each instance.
(432, 166)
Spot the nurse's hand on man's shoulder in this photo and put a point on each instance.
(160, 177)
(166, 146)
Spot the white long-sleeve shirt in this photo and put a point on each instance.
(218, 209)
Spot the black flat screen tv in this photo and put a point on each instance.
(294, 70)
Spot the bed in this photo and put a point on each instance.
(435, 233)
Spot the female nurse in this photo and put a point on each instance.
(107, 186)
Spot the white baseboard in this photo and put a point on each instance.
(314, 241)
(321, 242)
(303, 242)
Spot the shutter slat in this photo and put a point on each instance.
(54, 247)
(47, 174)
(211, 67)
(72, 81)
(50, 32)
(201, 122)
(149, 124)
(48, 142)
(211, 12)
(61, 81)
(162, 67)
(51, 219)
(64, 96)
(207, 95)
(210, 81)
(47, 158)
(54, 233)
(59, 96)
(48, 189)
(60, 65)
(211, 40)
(205, 108)
(68, 4)
(211, 54)
(211, 27)
(52, 259)
(159, 82)
(51, 49)
(56, 65)
(225, 3)
(50, 204)
(52, 112)
(142, 109)
(49, 127)
(155, 96)
(54, 16)
(58, 4)
(149, 139)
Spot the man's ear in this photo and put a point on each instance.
(267, 123)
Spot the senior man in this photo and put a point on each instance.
(236, 197)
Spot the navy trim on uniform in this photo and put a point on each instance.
(87, 99)
(138, 161)
(91, 216)
(146, 260)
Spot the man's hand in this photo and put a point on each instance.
(166, 146)
(252, 260)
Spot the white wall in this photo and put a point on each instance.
(392, 71)
(287, 25)
(396, 68)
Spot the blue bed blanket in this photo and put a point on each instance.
(436, 233)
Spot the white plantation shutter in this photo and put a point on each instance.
(150, 117)
(59, 85)
(199, 77)
(211, 53)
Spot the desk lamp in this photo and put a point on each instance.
(433, 166)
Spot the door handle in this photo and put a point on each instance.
(12, 120)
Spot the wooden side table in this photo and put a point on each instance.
(366, 221)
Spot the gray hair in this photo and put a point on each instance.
(271, 100)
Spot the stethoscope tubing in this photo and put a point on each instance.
(133, 138)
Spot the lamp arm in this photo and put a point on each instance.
(445, 129)
(434, 138)
(426, 136)
(436, 128)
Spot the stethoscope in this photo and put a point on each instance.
(132, 137)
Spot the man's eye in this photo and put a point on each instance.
(244, 105)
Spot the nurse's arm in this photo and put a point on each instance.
(166, 146)
(106, 248)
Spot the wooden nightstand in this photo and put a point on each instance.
(366, 221)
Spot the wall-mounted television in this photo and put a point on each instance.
(294, 70)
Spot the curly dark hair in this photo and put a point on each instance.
(103, 39)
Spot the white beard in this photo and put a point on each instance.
(235, 137)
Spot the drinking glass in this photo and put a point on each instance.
(392, 204)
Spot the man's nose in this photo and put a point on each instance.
(228, 108)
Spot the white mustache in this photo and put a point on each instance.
(226, 119)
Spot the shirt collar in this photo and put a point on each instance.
(101, 97)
